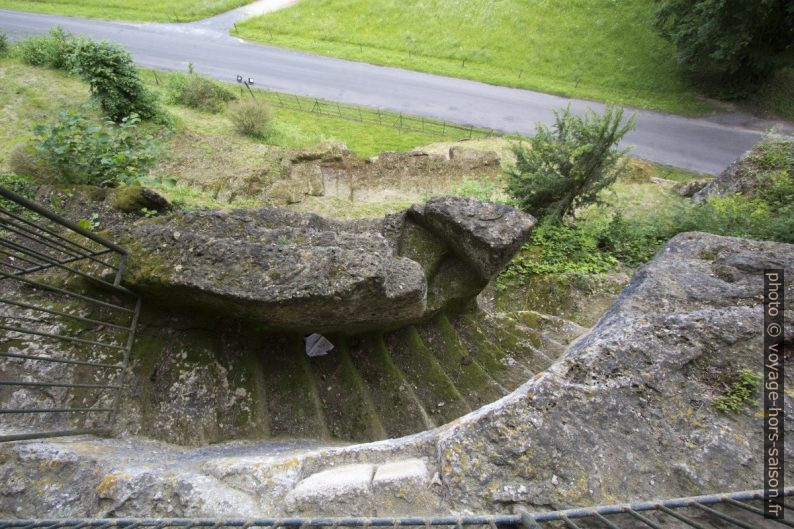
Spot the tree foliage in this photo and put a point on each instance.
(106, 67)
(729, 46)
(565, 167)
(109, 71)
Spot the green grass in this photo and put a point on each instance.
(136, 10)
(594, 49)
(205, 153)
(31, 95)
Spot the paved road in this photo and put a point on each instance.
(706, 145)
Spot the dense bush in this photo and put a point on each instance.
(53, 50)
(3, 43)
(729, 46)
(251, 117)
(564, 247)
(109, 71)
(77, 151)
(107, 68)
(565, 167)
(199, 92)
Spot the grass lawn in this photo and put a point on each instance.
(137, 10)
(603, 50)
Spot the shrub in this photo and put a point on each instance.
(20, 186)
(3, 43)
(630, 241)
(53, 50)
(251, 117)
(729, 46)
(559, 248)
(196, 91)
(114, 80)
(566, 167)
(24, 161)
(17, 184)
(80, 152)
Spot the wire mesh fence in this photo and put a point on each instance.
(395, 120)
(66, 324)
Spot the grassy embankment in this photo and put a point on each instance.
(202, 141)
(135, 10)
(600, 49)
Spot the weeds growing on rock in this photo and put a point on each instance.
(740, 392)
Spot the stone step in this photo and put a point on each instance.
(293, 402)
(400, 410)
(504, 368)
(518, 341)
(346, 400)
(475, 385)
(438, 394)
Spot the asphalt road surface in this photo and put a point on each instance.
(706, 145)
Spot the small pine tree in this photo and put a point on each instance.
(565, 167)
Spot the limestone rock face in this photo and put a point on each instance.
(483, 235)
(752, 171)
(300, 272)
(627, 413)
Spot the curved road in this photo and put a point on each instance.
(706, 145)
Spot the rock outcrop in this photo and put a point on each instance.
(627, 413)
(303, 273)
(755, 169)
(333, 169)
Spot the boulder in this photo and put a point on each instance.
(134, 199)
(629, 411)
(483, 235)
(303, 273)
(687, 189)
(753, 170)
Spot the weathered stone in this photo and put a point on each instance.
(629, 410)
(474, 158)
(687, 189)
(627, 413)
(303, 273)
(287, 191)
(331, 491)
(133, 199)
(404, 487)
(483, 235)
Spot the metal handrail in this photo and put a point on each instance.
(35, 241)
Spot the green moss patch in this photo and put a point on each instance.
(438, 394)
(392, 396)
(501, 366)
(471, 380)
(292, 396)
